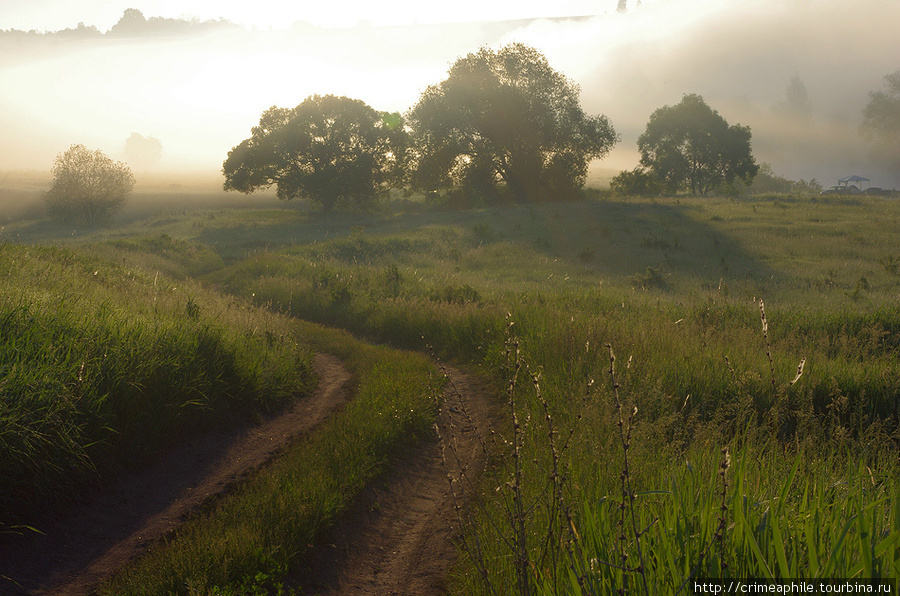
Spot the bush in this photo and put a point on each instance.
(88, 187)
(638, 182)
(767, 181)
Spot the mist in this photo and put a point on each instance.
(200, 94)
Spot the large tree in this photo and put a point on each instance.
(505, 118)
(331, 150)
(881, 118)
(88, 187)
(689, 146)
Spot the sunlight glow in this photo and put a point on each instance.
(201, 94)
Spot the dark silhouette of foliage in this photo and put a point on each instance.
(505, 120)
(331, 150)
(88, 187)
(638, 182)
(690, 146)
(131, 25)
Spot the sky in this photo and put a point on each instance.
(201, 95)
(264, 14)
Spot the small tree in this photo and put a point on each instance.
(88, 187)
(881, 118)
(331, 150)
(690, 146)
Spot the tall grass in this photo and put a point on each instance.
(652, 515)
(799, 518)
(702, 375)
(674, 286)
(252, 538)
(101, 366)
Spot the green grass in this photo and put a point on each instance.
(674, 286)
(794, 518)
(103, 365)
(451, 286)
(250, 539)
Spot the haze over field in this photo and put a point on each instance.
(200, 90)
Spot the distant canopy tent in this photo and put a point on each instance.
(857, 181)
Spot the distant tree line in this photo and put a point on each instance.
(690, 147)
(506, 127)
(131, 24)
(767, 181)
(502, 127)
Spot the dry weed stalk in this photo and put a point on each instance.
(561, 520)
(516, 513)
(721, 525)
(723, 508)
(784, 409)
(628, 496)
(461, 482)
(765, 330)
(516, 522)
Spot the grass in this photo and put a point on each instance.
(103, 365)
(674, 286)
(797, 520)
(701, 371)
(247, 543)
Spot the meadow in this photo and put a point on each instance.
(647, 353)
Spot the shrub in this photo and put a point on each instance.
(88, 187)
(638, 182)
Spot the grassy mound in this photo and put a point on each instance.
(101, 365)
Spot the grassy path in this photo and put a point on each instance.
(399, 536)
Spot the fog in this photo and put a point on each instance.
(200, 93)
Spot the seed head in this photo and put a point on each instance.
(726, 460)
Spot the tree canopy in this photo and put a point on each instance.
(331, 150)
(505, 119)
(881, 117)
(689, 146)
(88, 187)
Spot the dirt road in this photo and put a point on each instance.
(397, 540)
(101, 536)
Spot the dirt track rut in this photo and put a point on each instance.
(398, 539)
(139, 508)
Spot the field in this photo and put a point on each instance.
(690, 387)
